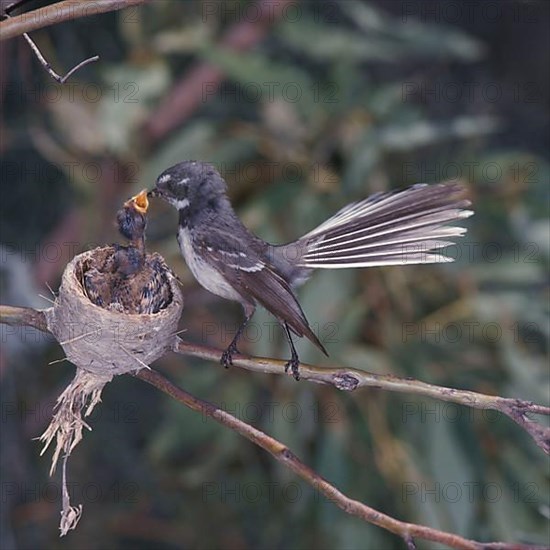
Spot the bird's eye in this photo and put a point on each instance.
(181, 186)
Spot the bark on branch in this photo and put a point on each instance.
(57, 13)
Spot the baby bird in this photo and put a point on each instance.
(130, 281)
(132, 221)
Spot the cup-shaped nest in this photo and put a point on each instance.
(107, 340)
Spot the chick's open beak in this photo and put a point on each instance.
(139, 202)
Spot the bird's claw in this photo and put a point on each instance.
(293, 365)
(227, 356)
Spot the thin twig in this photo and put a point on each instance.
(48, 67)
(59, 12)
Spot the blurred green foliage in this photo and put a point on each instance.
(325, 109)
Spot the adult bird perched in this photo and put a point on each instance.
(128, 280)
(396, 228)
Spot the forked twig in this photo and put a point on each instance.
(47, 67)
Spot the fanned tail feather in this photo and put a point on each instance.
(397, 228)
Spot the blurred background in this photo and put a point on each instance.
(304, 107)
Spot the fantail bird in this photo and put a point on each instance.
(407, 226)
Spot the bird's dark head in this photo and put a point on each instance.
(190, 183)
(132, 217)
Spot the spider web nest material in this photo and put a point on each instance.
(101, 343)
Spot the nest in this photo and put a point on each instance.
(103, 342)
(106, 341)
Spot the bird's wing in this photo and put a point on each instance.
(252, 276)
(156, 293)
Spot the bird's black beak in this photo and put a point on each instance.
(153, 193)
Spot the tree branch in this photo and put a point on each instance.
(407, 531)
(350, 379)
(59, 12)
(346, 379)
(23, 316)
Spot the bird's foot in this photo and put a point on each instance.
(293, 365)
(227, 355)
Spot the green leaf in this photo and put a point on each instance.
(419, 38)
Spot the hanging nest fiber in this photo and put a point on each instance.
(103, 342)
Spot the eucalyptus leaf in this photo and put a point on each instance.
(422, 39)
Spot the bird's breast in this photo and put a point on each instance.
(207, 276)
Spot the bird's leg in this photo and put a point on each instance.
(294, 360)
(227, 355)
